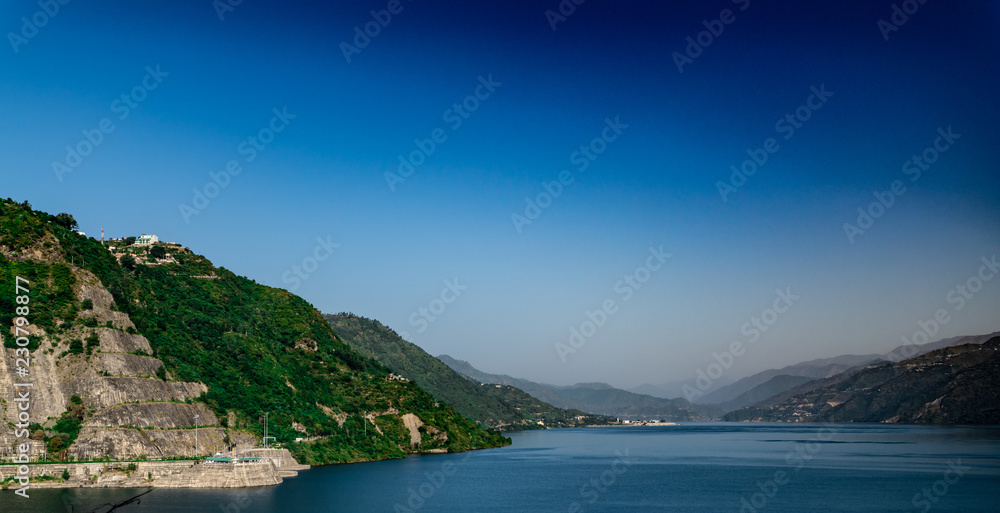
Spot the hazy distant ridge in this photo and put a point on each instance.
(600, 398)
(953, 385)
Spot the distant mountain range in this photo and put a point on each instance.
(600, 398)
(763, 385)
(813, 369)
(938, 382)
(958, 384)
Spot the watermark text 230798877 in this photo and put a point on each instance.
(22, 390)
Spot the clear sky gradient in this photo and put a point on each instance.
(320, 171)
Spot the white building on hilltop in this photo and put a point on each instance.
(146, 240)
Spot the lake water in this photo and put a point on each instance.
(700, 467)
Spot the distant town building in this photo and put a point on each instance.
(146, 240)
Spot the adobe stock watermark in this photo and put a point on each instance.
(566, 9)
(48, 9)
(434, 481)
(241, 501)
(94, 137)
(713, 29)
(580, 158)
(453, 116)
(898, 17)
(362, 38)
(787, 125)
(592, 490)
(300, 272)
(249, 148)
(223, 7)
(751, 331)
(624, 290)
(912, 168)
(928, 496)
(424, 316)
(796, 458)
(959, 296)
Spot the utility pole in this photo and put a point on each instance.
(196, 435)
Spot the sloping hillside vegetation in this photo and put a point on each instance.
(508, 408)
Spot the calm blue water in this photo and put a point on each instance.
(708, 467)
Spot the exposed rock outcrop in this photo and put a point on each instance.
(131, 443)
(153, 415)
(114, 341)
(122, 364)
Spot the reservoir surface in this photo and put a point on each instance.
(697, 467)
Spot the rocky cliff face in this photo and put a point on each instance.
(130, 412)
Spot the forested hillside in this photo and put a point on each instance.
(258, 349)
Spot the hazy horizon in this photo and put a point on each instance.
(559, 170)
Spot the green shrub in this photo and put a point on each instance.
(92, 341)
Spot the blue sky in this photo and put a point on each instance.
(323, 175)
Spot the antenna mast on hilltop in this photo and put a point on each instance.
(102, 235)
(265, 429)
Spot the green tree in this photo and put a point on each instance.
(128, 262)
(66, 221)
(55, 444)
(88, 304)
(92, 341)
(158, 252)
(65, 474)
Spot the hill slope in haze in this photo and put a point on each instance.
(953, 385)
(726, 396)
(813, 369)
(763, 391)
